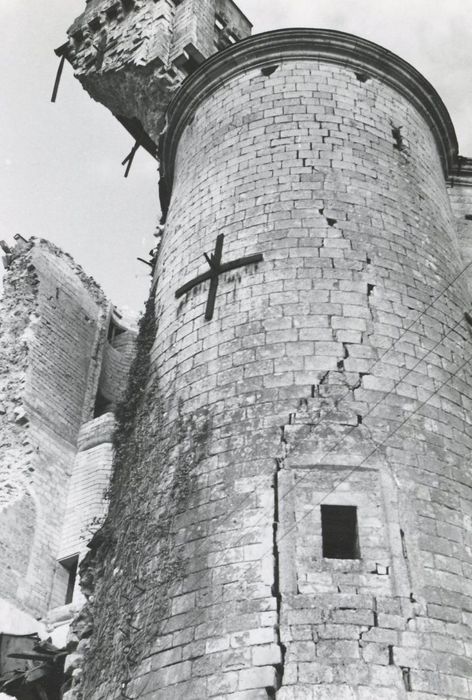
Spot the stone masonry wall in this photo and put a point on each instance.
(132, 55)
(114, 370)
(51, 317)
(194, 24)
(86, 504)
(460, 194)
(334, 372)
(310, 166)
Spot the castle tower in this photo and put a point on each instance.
(290, 511)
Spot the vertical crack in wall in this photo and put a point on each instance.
(406, 678)
(276, 585)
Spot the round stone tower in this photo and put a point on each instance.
(290, 514)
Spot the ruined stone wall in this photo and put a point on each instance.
(121, 26)
(332, 373)
(52, 315)
(132, 55)
(18, 306)
(87, 500)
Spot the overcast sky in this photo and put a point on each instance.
(60, 172)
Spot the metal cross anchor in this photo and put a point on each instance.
(217, 268)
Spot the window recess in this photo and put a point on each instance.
(340, 532)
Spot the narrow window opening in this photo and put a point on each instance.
(219, 23)
(339, 532)
(468, 217)
(70, 565)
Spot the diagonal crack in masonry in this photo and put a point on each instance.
(279, 464)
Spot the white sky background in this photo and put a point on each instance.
(60, 172)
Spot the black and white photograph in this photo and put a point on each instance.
(235, 350)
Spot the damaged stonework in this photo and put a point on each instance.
(149, 572)
(31, 668)
(50, 315)
(290, 507)
(81, 627)
(64, 359)
(133, 55)
(19, 316)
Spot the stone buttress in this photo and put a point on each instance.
(291, 510)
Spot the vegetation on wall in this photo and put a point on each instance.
(134, 559)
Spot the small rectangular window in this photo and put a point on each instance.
(339, 532)
(70, 565)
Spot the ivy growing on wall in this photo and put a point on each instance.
(135, 560)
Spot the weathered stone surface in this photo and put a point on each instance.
(327, 197)
(132, 55)
(51, 314)
(333, 373)
(54, 359)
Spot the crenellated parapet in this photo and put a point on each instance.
(132, 55)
